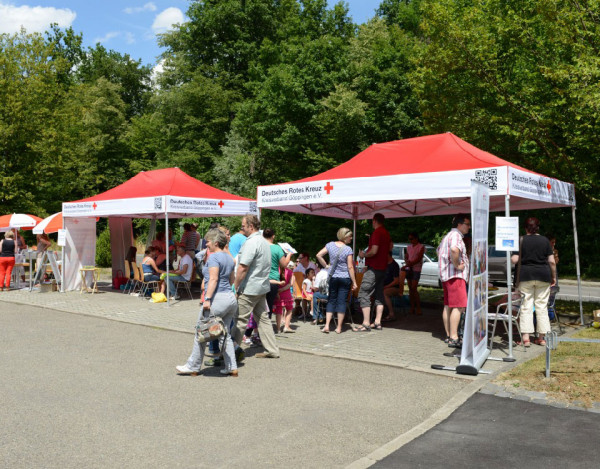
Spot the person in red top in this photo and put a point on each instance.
(376, 259)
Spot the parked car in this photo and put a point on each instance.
(430, 274)
(497, 266)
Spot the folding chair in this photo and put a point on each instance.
(145, 285)
(186, 284)
(553, 315)
(501, 315)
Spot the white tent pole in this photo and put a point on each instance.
(167, 248)
(509, 285)
(577, 268)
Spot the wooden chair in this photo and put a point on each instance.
(129, 284)
(297, 291)
(144, 285)
(137, 280)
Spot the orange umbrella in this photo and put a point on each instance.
(50, 224)
(21, 221)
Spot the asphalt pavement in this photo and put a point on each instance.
(494, 432)
(80, 391)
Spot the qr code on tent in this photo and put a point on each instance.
(489, 177)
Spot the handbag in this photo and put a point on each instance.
(209, 328)
(158, 297)
(119, 280)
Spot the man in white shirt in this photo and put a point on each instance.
(183, 272)
(304, 263)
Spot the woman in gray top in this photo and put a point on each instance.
(341, 276)
(219, 300)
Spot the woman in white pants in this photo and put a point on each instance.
(536, 275)
(220, 300)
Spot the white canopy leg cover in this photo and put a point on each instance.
(121, 239)
(80, 249)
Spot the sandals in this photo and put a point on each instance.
(325, 331)
(376, 327)
(525, 343)
(539, 342)
(455, 343)
(362, 328)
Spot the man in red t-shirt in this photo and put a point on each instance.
(376, 258)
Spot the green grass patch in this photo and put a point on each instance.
(575, 371)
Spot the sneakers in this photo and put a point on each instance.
(214, 361)
(225, 371)
(266, 355)
(186, 371)
(247, 340)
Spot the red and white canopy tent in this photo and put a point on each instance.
(162, 193)
(420, 176)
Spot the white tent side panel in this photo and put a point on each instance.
(80, 249)
(121, 239)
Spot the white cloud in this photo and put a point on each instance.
(33, 19)
(107, 37)
(158, 69)
(150, 6)
(166, 19)
(129, 38)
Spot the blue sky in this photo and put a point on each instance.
(127, 26)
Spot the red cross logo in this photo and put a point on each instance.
(94, 205)
(328, 187)
(220, 204)
(549, 186)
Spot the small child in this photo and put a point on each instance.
(308, 286)
(284, 304)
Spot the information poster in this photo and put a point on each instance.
(507, 233)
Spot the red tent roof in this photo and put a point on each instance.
(432, 153)
(163, 182)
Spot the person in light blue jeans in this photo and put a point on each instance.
(341, 269)
(219, 300)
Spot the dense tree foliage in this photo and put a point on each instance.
(264, 91)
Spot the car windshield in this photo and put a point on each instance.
(432, 254)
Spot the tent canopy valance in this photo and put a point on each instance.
(152, 194)
(415, 177)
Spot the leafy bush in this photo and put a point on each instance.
(103, 254)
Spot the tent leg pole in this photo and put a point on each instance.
(353, 238)
(509, 286)
(577, 266)
(167, 267)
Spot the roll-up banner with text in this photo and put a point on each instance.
(474, 350)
